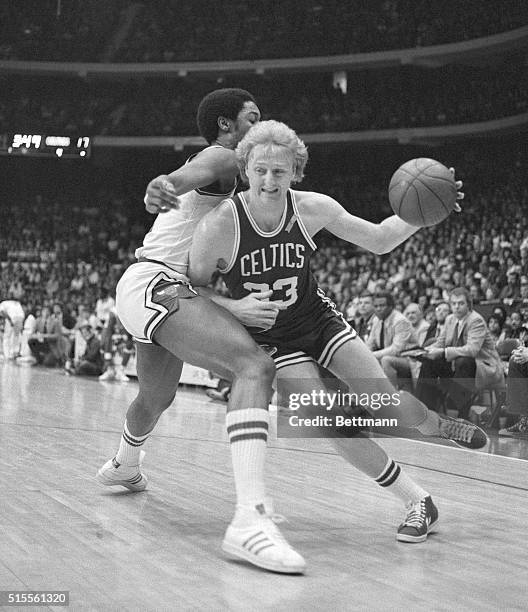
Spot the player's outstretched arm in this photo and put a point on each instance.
(209, 166)
(320, 211)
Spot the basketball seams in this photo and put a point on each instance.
(419, 207)
(440, 178)
(403, 196)
(448, 210)
(422, 175)
(422, 170)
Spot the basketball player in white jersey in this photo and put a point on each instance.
(171, 324)
(13, 314)
(262, 239)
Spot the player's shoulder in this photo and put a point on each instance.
(215, 156)
(221, 215)
(313, 201)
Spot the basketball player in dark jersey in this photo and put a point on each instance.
(261, 240)
(171, 323)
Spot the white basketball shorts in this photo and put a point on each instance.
(148, 293)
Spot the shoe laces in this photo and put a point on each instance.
(457, 429)
(272, 520)
(416, 515)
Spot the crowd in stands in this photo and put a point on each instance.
(190, 30)
(387, 98)
(57, 30)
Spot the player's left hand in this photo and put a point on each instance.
(460, 194)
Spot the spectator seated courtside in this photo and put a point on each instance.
(391, 334)
(463, 359)
(91, 361)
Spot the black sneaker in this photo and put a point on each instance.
(463, 433)
(421, 518)
(517, 430)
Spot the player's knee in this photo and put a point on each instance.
(155, 401)
(257, 365)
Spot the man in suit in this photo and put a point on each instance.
(435, 329)
(462, 358)
(391, 334)
(363, 323)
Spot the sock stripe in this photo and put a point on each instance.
(248, 425)
(133, 441)
(388, 482)
(386, 470)
(249, 436)
(389, 474)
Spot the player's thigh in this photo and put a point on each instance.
(301, 387)
(354, 363)
(208, 336)
(158, 373)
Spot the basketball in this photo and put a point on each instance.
(422, 192)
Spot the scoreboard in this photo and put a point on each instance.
(45, 145)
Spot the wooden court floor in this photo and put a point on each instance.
(160, 549)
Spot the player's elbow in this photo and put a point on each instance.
(382, 242)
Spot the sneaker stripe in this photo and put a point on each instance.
(249, 436)
(256, 543)
(255, 535)
(256, 552)
(248, 425)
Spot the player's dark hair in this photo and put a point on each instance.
(226, 103)
(366, 294)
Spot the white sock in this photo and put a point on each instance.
(247, 430)
(130, 447)
(397, 481)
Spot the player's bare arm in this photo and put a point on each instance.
(320, 211)
(209, 166)
(211, 250)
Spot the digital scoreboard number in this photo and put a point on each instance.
(45, 145)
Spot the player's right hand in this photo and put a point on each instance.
(255, 310)
(160, 196)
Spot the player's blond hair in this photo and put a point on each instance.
(273, 133)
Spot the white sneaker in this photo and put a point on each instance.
(113, 473)
(260, 542)
(108, 374)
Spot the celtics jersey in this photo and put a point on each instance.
(277, 260)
